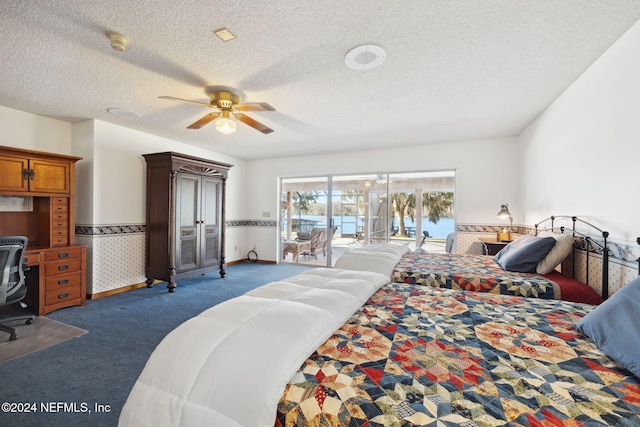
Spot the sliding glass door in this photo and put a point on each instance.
(324, 217)
(304, 220)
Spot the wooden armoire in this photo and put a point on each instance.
(185, 217)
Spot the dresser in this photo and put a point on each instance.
(37, 200)
(185, 217)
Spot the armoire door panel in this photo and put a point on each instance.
(188, 255)
(187, 206)
(210, 221)
(211, 255)
(210, 196)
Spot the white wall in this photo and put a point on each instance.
(581, 156)
(32, 132)
(120, 173)
(82, 145)
(486, 174)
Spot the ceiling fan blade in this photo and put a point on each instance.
(254, 124)
(255, 106)
(171, 98)
(203, 121)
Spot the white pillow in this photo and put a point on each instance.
(557, 254)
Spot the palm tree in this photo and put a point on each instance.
(301, 201)
(403, 204)
(436, 204)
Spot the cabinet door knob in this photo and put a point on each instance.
(63, 267)
(63, 296)
(63, 281)
(63, 255)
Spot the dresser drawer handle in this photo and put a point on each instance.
(63, 281)
(63, 255)
(63, 267)
(63, 296)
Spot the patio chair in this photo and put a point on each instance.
(317, 237)
(323, 242)
(425, 236)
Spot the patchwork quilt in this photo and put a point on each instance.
(423, 356)
(479, 273)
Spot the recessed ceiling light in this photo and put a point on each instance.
(121, 112)
(365, 57)
(224, 35)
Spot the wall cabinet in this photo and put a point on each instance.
(185, 217)
(23, 174)
(46, 180)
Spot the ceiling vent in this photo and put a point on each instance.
(365, 57)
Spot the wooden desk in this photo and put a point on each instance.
(56, 278)
(44, 184)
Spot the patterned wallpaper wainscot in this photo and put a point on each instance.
(116, 252)
(243, 236)
(115, 255)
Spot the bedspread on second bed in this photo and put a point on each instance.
(479, 273)
(420, 356)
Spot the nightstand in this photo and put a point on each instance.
(492, 246)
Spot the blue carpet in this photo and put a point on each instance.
(85, 381)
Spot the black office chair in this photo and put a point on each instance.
(13, 288)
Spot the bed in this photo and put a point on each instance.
(408, 355)
(481, 273)
(528, 269)
(436, 357)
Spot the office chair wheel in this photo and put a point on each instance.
(29, 321)
(13, 336)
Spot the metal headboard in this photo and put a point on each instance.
(590, 246)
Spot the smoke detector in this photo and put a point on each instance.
(118, 41)
(365, 57)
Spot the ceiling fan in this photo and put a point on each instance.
(228, 104)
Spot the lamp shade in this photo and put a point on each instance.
(504, 211)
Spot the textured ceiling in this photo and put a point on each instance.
(455, 70)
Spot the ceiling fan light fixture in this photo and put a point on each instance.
(225, 125)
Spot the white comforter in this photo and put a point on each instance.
(379, 258)
(229, 365)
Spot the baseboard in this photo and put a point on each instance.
(143, 284)
(240, 261)
(118, 290)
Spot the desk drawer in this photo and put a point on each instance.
(60, 216)
(63, 294)
(57, 232)
(60, 223)
(54, 283)
(60, 241)
(64, 266)
(62, 254)
(31, 259)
